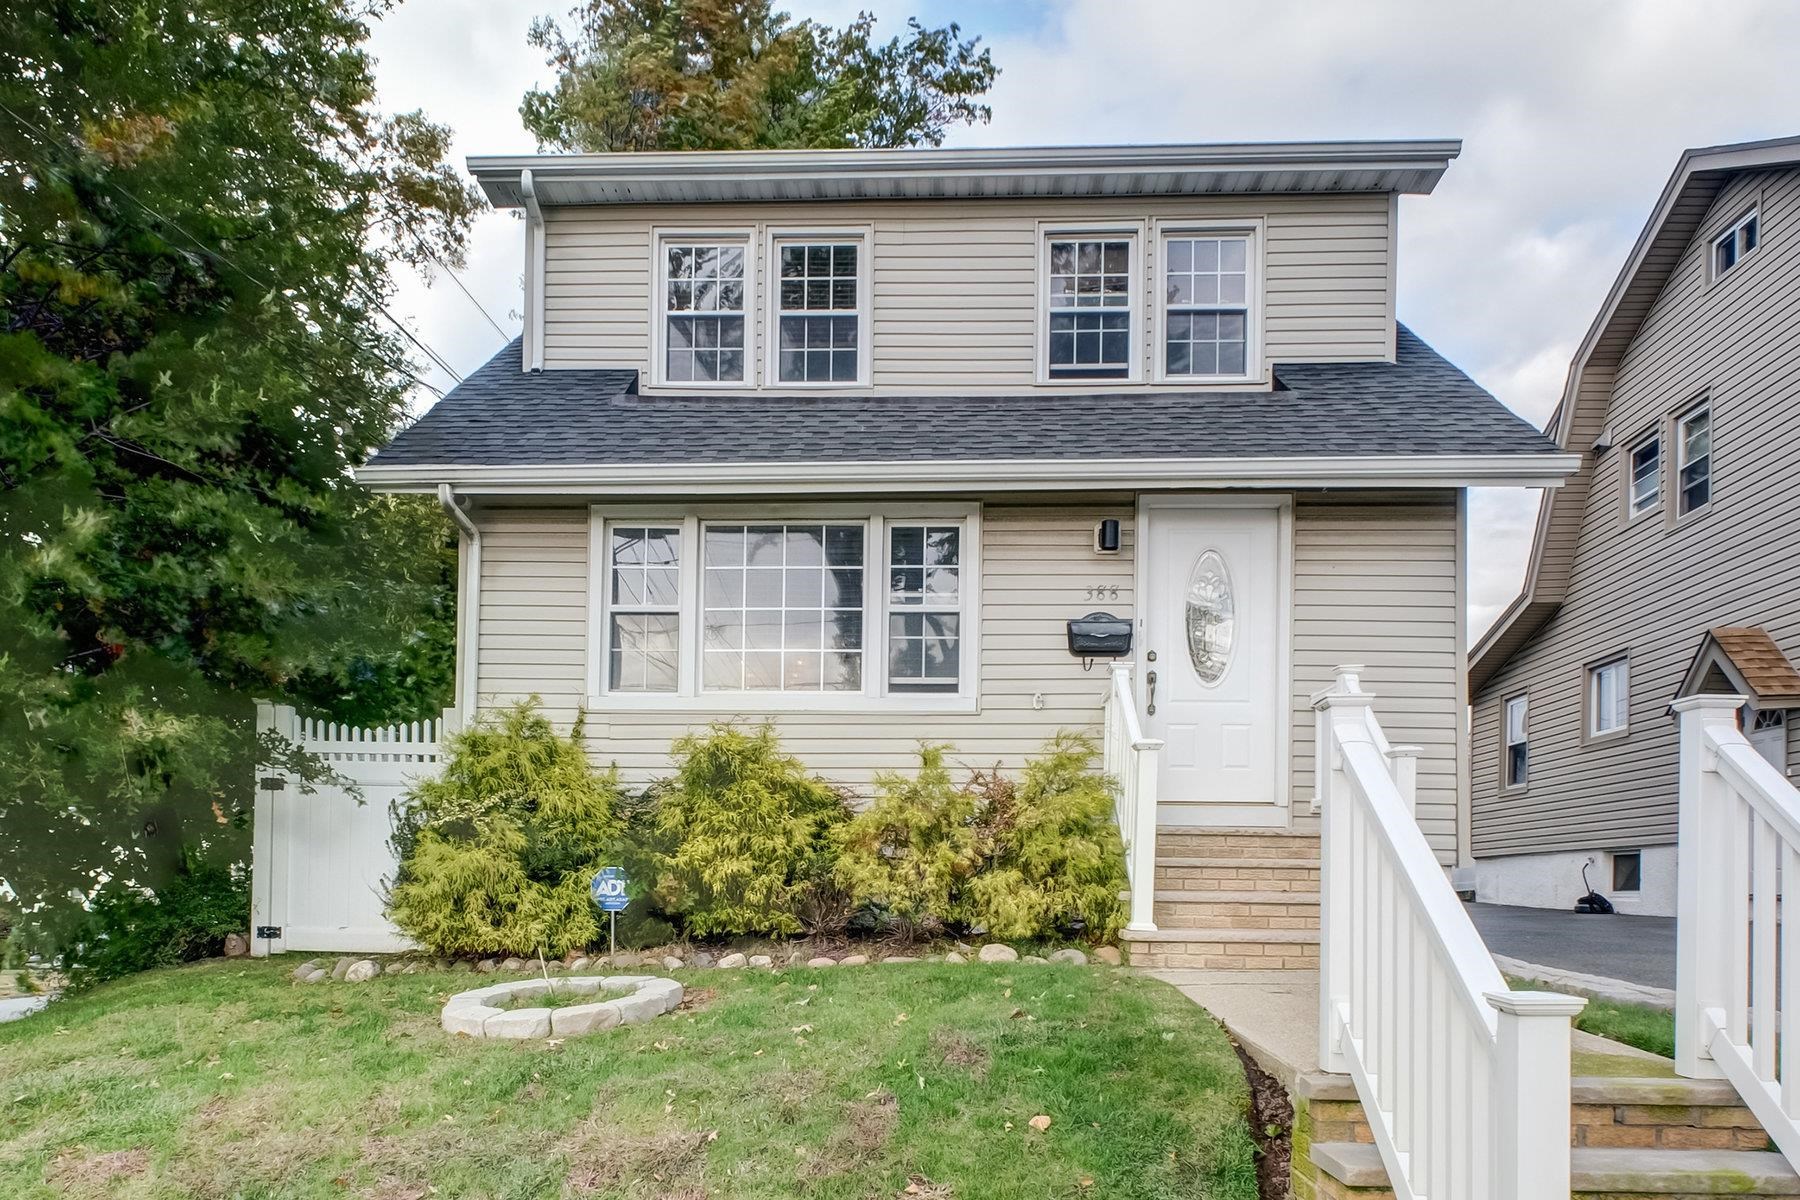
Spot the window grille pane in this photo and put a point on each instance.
(1205, 294)
(782, 606)
(925, 590)
(818, 279)
(1646, 475)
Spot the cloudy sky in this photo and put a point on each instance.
(1572, 115)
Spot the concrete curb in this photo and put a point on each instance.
(1596, 987)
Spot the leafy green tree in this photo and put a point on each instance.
(199, 209)
(739, 75)
(748, 835)
(913, 851)
(497, 852)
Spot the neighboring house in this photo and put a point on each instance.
(1667, 565)
(843, 441)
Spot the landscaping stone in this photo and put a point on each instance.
(468, 1019)
(853, 960)
(338, 968)
(487, 966)
(580, 964)
(518, 1024)
(362, 971)
(963, 948)
(821, 961)
(578, 987)
(462, 966)
(583, 1018)
(731, 961)
(702, 959)
(1035, 960)
(998, 952)
(1071, 956)
(954, 957)
(304, 969)
(760, 960)
(672, 962)
(512, 964)
(899, 958)
(316, 975)
(1108, 955)
(236, 945)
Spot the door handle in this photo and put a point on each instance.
(1150, 680)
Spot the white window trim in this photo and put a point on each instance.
(864, 237)
(1632, 511)
(1506, 742)
(1753, 213)
(690, 697)
(1137, 232)
(1255, 271)
(1680, 460)
(660, 237)
(1594, 673)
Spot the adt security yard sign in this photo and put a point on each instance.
(608, 891)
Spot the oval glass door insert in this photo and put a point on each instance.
(1211, 619)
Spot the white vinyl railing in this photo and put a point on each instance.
(1465, 1083)
(1736, 962)
(1129, 759)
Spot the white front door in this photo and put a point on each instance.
(1214, 644)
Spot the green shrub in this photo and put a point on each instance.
(912, 852)
(746, 836)
(127, 929)
(1054, 856)
(496, 853)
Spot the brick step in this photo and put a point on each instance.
(1353, 1169)
(1225, 949)
(1237, 874)
(1236, 843)
(1194, 909)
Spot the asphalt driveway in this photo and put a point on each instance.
(1636, 949)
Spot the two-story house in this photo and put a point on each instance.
(1663, 567)
(844, 441)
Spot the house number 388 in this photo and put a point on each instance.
(1103, 591)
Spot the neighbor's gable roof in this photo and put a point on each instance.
(1750, 662)
(579, 429)
(1414, 166)
(1581, 414)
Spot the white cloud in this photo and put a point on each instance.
(1572, 115)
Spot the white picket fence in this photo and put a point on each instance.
(320, 859)
(1465, 1082)
(1737, 962)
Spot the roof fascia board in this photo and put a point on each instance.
(1418, 471)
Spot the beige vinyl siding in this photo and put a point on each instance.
(955, 300)
(1653, 586)
(1377, 581)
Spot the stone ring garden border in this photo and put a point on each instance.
(645, 996)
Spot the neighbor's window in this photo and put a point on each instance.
(782, 608)
(1089, 303)
(703, 312)
(1693, 443)
(644, 600)
(924, 608)
(818, 317)
(1628, 871)
(1517, 755)
(1206, 306)
(1730, 247)
(1646, 475)
(1609, 696)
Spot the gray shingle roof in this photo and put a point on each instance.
(1421, 404)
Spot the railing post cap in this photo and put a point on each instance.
(1536, 1004)
(1709, 703)
(1405, 751)
(1331, 699)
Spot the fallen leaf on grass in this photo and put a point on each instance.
(1039, 1122)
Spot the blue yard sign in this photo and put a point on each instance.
(609, 889)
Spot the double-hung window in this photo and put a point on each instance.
(1730, 247)
(643, 573)
(1646, 475)
(1609, 697)
(1089, 301)
(1517, 764)
(1693, 444)
(819, 306)
(1208, 291)
(924, 607)
(703, 292)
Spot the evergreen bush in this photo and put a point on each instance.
(128, 929)
(1054, 859)
(497, 853)
(746, 837)
(912, 852)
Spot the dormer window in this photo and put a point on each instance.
(1730, 247)
(819, 311)
(702, 322)
(1090, 304)
(1208, 284)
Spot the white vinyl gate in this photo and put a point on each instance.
(320, 860)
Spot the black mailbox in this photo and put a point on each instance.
(1099, 635)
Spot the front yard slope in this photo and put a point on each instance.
(224, 1079)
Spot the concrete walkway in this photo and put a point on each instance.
(1636, 949)
(14, 1007)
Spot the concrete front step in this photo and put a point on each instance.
(1225, 949)
(1200, 873)
(1353, 1169)
(1245, 911)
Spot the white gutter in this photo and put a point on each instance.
(468, 604)
(1128, 474)
(534, 272)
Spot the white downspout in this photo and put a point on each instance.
(534, 274)
(468, 605)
